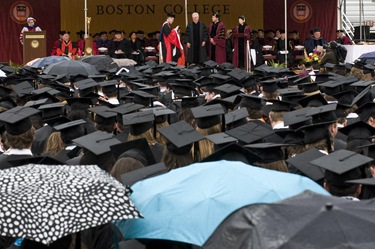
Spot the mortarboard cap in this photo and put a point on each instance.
(314, 132)
(137, 149)
(251, 101)
(268, 152)
(86, 86)
(250, 132)
(181, 135)
(323, 114)
(341, 166)
(280, 106)
(290, 91)
(189, 102)
(66, 127)
(23, 88)
(141, 97)
(79, 103)
(17, 120)
(233, 152)
(98, 142)
(269, 86)
(309, 87)
(331, 87)
(236, 118)
(358, 130)
(210, 63)
(36, 103)
(302, 163)
(104, 115)
(297, 118)
(240, 75)
(366, 111)
(139, 122)
(207, 116)
(127, 108)
(221, 139)
(227, 90)
(134, 176)
(315, 100)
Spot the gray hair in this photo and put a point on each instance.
(195, 14)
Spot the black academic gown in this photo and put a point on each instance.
(4, 160)
(41, 137)
(196, 34)
(157, 151)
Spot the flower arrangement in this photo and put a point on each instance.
(315, 56)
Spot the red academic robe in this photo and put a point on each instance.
(171, 41)
(72, 48)
(235, 35)
(219, 39)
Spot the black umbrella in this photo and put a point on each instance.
(71, 68)
(307, 220)
(47, 202)
(101, 62)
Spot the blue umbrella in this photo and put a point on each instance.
(46, 61)
(187, 204)
(368, 56)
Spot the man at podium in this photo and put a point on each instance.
(30, 27)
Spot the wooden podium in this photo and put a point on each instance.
(34, 45)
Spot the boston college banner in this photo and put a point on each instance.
(13, 19)
(303, 15)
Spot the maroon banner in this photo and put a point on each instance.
(303, 16)
(13, 19)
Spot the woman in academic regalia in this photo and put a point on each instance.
(241, 34)
(30, 27)
(216, 32)
(135, 52)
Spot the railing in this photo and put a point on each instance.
(347, 25)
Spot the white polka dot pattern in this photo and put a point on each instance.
(47, 202)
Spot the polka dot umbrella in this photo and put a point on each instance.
(46, 202)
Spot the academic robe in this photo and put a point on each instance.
(41, 137)
(4, 160)
(196, 53)
(172, 49)
(123, 45)
(64, 48)
(219, 38)
(311, 44)
(239, 40)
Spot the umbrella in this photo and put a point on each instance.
(308, 220)
(46, 61)
(71, 68)
(101, 62)
(2, 74)
(367, 56)
(187, 204)
(47, 202)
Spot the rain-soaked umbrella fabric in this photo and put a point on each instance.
(71, 68)
(187, 204)
(47, 202)
(46, 61)
(308, 220)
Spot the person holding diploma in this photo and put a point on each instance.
(240, 35)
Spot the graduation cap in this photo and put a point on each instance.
(236, 118)
(221, 139)
(240, 75)
(341, 166)
(7, 102)
(302, 163)
(52, 110)
(210, 63)
(219, 78)
(182, 136)
(315, 100)
(45, 95)
(250, 132)
(233, 152)
(17, 120)
(268, 152)
(269, 86)
(141, 97)
(296, 119)
(98, 142)
(251, 101)
(314, 132)
(227, 90)
(67, 127)
(137, 149)
(309, 87)
(36, 103)
(47, 89)
(139, 122)
(207, 116)
(127, 108)
(360, 85)
(104, 115)
(358, 130)
(183, 90)
(86, 86)
(79, 103)
(331, 87)
(323, 114)
(189, 102)
(134, 176)
(23, 88)
(290, 91)
(366, 111)
(280, 106)
(345, 97)
(108, 86)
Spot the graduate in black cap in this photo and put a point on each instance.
(168, 38)
(216, 33)
(19, 134)
(240, 35)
